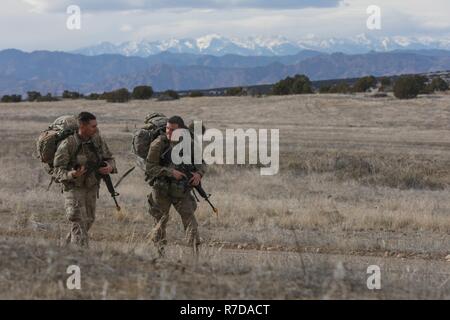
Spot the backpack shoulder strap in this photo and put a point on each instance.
(78, 144)
(96, 147)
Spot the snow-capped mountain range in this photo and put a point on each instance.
(218, 45)
(56, 71)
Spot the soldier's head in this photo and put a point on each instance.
(87, 125)
(174, 123)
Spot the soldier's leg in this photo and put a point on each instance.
(91, 200)
(76, 214)
(186, 207)
(90, 204)
(159, 206)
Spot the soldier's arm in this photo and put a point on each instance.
(108, 157)
(153, 167)
(61, 162)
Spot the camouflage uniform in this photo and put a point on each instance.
(166, 191)
(80, 193)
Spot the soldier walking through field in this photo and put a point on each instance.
(171, 187)
(79, 162)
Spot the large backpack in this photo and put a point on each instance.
(49, 139)
(155, 124)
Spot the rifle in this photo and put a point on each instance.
(187, 170)
(94, 167)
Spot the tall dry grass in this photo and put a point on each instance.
(361, 179)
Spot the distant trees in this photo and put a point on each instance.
(408, 87)
(236, 91)
(385, 81)
(47, 98)
(403, 87)
(36, 96)
(92, 96)
(122, 95)
(119, 95)
(340, 87)
(299, 84)
(421, 82)
(12, 98)
(196, 94)
(438, 84)
(71, 95)
(324, 89)
(385, 84)
(33, 95)
(142, 92)
(362, 84)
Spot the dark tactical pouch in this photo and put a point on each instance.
(162, 185)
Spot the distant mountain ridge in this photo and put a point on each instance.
(218, 45)
(54, 72)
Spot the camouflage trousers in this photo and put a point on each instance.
(80, 211)
(159, 201)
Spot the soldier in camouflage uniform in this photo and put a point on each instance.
(73, 163)
(168, 189)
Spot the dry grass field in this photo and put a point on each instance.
(363, 181)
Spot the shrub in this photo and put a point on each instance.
(171, 93)
(120, 95)
(33, 95)
(408, 87)
(168, 95)
(299, 84)
(142, 92)
(365, 83)
(282, 87)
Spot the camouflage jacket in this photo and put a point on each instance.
(156, 167)
(73, 152)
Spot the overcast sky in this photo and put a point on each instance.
(41, 24)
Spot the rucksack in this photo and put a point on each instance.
(49, 139)
(155, 124)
